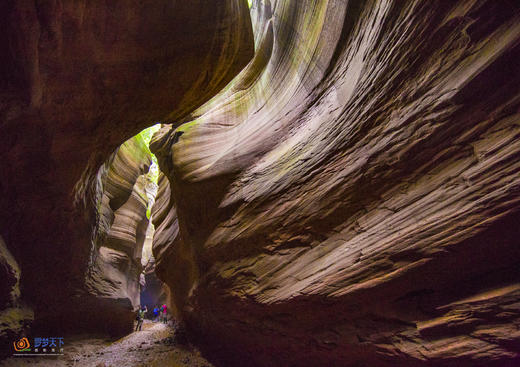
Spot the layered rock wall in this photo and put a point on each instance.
(77, 79)
(352, 197)
(114, 271)
(169, 263)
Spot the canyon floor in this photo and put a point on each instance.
(155, 345)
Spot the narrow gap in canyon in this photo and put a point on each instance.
(260, 183)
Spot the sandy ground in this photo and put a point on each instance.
(154, 346)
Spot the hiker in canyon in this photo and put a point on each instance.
(156, 313)
(164, 312)
(140, 318)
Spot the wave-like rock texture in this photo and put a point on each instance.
(352, 197)
(172, 257)
(164, 217)
(77, 79)
(113, 275)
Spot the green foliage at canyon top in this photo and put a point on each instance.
(146, 135)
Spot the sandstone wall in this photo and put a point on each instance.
(114, 268)
(77, 79)
(352, 197)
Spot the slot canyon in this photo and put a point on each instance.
(301, 183)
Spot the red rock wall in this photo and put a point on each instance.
(114, 267)
(77, 79)
(352, 197)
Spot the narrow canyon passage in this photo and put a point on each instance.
(294, 183)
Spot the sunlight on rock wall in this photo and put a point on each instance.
(352, 196)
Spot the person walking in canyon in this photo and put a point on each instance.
(140, 318)
(164, 313)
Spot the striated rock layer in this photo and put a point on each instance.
(114, 269)
(352, 197)
(77, 79)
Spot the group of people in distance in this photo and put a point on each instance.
(160, 314)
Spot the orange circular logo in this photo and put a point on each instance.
(22, 345)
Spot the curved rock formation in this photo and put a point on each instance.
(76, 80)
(164, 217)
(170, 264)
(114, 271)
(352, 197)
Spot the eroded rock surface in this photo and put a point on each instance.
(352, 197)
(113, 276)
(77, 79)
